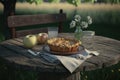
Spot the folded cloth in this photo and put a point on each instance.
(70, 62)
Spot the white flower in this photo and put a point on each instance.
(73, 1)
(78, 23)
(84, 24)
(89, 19)
(77, 18)
(72, 24)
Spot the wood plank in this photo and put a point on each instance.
(107, 41)
(33, 63)
(86, 66)
(28, 20)
(31, 31)
(39, 47)
(20, 39)
(57, 76)
(17, 41)
(16, 49)
(25, 20)
(109, 55)
(11, 57)
(100, 61)
(14, 41)
(109, 50)
(93, 58)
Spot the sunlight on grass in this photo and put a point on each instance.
(44, 6)
(1, 7)
(94, 10)
(67, 6)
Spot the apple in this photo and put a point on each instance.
(42, 38)
(29, 41)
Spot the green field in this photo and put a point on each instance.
(106, 22)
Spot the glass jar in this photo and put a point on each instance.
(88, 40)
(78, 33)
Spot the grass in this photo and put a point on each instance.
(9, 73)
(106, 22)
(98, 11)
(109, 73)
(1, 37)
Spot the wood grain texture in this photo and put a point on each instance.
(58, 76)
(16, 21)
(14, 52)
(31, 31)
(25, 20)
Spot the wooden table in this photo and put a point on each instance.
(14, 54)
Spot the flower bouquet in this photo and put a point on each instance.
(79, 24)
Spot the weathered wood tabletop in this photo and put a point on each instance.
(14, 53)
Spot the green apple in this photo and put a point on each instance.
(42, 38)
(29, 41)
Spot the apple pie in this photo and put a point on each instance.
(63, 44)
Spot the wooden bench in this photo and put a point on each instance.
(28, 20)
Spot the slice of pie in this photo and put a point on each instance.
(63, 45)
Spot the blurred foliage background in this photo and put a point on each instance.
(106, 17)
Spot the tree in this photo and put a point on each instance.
(9, 9)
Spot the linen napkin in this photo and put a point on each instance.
(70, 62)
(74, 61)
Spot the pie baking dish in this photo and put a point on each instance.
(63, 45)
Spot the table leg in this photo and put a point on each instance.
(57, 76)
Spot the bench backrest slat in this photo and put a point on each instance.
(30, 31)
(25, 20)
(28, 20)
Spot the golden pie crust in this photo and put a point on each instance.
(63, 44)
